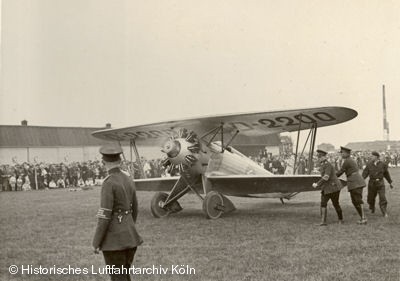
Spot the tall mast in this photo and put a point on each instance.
(385, 122)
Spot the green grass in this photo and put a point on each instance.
(262, 240)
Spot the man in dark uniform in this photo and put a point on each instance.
(116, 235)
(376, 170)
(330, 187)
(355, 183)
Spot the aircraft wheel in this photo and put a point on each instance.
(213, 205)
(156, 205)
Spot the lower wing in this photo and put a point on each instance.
(251, 185)
(156, 184)
(240, 185)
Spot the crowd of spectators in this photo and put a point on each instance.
(284, 164)
(31, 176)
(27, 176)
(391, 158)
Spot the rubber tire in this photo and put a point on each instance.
(211, 200)
(156, 210)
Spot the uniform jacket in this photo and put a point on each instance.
(117, 214)
(376, 173)
(354, 179)
(329, 183)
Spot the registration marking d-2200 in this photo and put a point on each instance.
(285, 121)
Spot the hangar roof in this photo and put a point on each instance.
(39, 136)
(374, 145)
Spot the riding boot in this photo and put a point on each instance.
(323, 216)
(372, 208)
(363, 219)
(339, 213)
(384, 212)
(359, 210)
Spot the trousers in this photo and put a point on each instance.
(120, 259)
(356, 196)
(374, 189)
(334, 197)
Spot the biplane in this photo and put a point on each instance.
(211, 168)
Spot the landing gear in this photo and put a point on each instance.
(158, 207)
(213, 205)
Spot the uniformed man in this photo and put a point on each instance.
(330, 187)
(355, 183)
(377, 170)
(116, 235)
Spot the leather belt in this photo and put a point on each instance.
(376, 180)
(122, 212)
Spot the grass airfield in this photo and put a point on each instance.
(261, 240)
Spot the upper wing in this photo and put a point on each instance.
(249, 124)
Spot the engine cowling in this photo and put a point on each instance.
(182, 151)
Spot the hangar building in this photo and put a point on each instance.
(23, 143)
(378, 145)
(47, 144)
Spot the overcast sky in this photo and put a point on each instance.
(90, 62)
